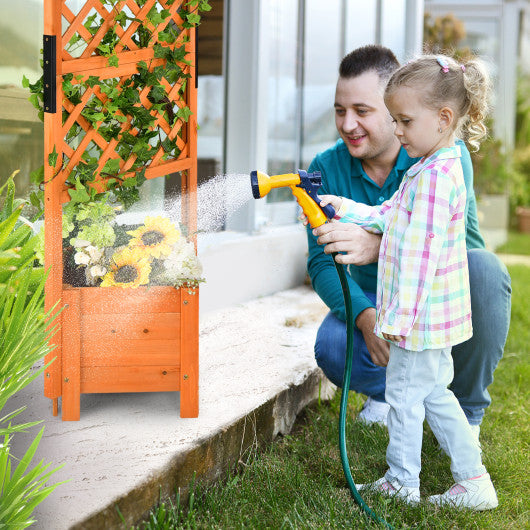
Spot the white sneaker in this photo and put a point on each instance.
(392, 489)
(374, 412)
(476, 494)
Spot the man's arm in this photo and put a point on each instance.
(326, 283)
(359, 246)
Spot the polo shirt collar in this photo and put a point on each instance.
(445, 153)
(403, 162)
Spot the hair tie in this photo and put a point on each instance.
(443, 63)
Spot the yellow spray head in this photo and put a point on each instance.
(304, 187)
(261, 182)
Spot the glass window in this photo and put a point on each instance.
(360, 24)
(21, 131)
(393, 26)
(283, 87)
(321, 60)
(210, 93)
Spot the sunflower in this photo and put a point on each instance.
(156, 237)
(128, 268)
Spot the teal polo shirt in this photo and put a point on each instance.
(344, 175)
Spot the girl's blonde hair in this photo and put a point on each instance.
(441, 81)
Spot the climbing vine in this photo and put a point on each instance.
(116, 101)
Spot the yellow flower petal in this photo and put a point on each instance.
(156, 237)
(129, 268)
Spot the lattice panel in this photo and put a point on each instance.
(90, 29)
(110, 150)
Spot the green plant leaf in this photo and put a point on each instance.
(52, 157)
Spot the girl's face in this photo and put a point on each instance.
(417, 126)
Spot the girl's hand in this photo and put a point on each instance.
(393, 338)
(335, 201)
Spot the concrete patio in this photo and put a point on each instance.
(257, 372)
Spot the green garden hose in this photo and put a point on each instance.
(344, 397)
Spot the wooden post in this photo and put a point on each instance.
(189, 362)
(71, 370)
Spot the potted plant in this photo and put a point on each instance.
(118, 99)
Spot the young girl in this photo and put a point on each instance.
(423, 302)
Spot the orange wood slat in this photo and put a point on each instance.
(53, 219)
(98, 65)
(131, 326)
(189, 362)
(157, 299)
(127, 352)
(71, 372)
(130, 379)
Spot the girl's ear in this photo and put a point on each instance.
(446, 117)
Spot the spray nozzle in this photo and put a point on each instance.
(304, 187)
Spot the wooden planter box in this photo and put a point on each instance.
(129, 340)
(113, 339)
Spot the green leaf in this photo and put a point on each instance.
(37, 176)
(193, 18)
(184, 113)
(79, 194)
(112, 166)
(113, 60)
(52, 158)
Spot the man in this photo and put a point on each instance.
(367, 165)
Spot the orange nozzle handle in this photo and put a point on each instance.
(311, 209)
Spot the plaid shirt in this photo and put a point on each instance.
(423, 281)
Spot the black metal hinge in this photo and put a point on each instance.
(49, 73)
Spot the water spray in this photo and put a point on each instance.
(304, 187)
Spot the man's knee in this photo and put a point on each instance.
(486, 272)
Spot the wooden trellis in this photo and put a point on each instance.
(116, 339)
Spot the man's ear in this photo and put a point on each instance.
(446, 117)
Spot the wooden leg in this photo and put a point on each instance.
(189, 361)
(71, 369)
(55, 406)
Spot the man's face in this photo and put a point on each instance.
(362, 119)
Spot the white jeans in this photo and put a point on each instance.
(416, 388)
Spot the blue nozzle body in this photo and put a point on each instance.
(311, 183)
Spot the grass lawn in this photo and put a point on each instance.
(518, 243)
(298, 482)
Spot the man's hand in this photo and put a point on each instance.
(378, 348)
(361, 247)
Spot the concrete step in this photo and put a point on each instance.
(257, 372)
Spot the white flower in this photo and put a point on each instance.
(97, 271)
(94, 253)
(79, 243)
(81, 258)
(182, 263)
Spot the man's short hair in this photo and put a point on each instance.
(366, 58)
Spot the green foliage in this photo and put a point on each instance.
(444, 34)
(519, 186)
(122, 102)
(24, 333)
(17, 242)
(91, 221)
(491, 167)
(522, 117)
